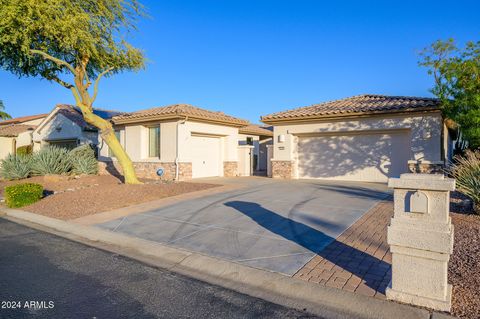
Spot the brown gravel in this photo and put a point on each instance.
(464, 266)
(94, 194)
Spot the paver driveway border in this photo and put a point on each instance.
(290, 292)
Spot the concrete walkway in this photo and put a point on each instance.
(267, 224)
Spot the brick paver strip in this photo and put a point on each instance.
(359, 260)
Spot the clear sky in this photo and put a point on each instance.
(253, 57)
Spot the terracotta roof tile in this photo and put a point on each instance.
(255, 130)
(22, 119)
(178, 110)
(367, 103)
(13, 130)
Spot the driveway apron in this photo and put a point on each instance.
(270, 224)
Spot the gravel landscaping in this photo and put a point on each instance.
(69, 197)
(464, 271)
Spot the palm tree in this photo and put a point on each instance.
(3, 115)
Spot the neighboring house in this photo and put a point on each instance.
(185, 141)
(65, 127)
(258, 137)
(361, 138)
(17, 132)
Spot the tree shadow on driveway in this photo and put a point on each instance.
(316, 241)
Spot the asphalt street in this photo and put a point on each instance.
(45, 276)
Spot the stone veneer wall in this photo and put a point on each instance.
(282, 169)
(230, 169)
(426, 168)
(148, 170)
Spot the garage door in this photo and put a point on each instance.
(205, 156)
(354, 157)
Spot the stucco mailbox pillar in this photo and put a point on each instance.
(420, 236)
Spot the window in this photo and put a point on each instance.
(154, 141)
(117, 135)
(249, 140)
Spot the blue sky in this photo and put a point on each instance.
(249, 58)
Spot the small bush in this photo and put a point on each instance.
(83, 160)
(16, 167)
(466, 171)
(24, 150)
(51, 160)
(23, 194)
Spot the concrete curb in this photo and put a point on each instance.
(274, 287)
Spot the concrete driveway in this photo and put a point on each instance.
(271, 224)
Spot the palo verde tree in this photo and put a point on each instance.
(73, 43)
(3, 114)
(456, 72)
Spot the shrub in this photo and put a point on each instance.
(85, 165)
(83, 160)
(16, 167)
(24, 150)
(466, 171)
(51, 160)
(23, 194)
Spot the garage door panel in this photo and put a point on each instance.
(205, 156)
(368, 157)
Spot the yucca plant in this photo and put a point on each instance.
(16, 167)
(466, 171)
(51, 160)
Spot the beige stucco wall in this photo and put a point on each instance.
(6, 146)
(425, 131)
(135, 140)
(60, 127)
(33, 122)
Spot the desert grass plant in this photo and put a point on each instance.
(466, 171)
(16, 166)
(51, 160)
(23, 194)
(83, 160)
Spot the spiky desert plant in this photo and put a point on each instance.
(16, 167)
(84, 160)
(466, 171)
(51, 160)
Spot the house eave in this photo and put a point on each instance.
(146, 119)
(293, 120)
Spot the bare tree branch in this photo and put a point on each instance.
(59, 62)
(95, 86)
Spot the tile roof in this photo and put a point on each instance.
(255, 130)
(13, 130)
(178, 111)
(367, 103)
(22, 119)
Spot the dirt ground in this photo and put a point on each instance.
(68, 197)
(463, 270)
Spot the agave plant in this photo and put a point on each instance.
(466, 171)
(51, 160)
(83, 160)
(16, 167)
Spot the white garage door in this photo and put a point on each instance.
(354, 157)
(205, 156)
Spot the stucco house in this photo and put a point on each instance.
(362, 138)
(183, 140)
(65, 127)
(17, 132)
